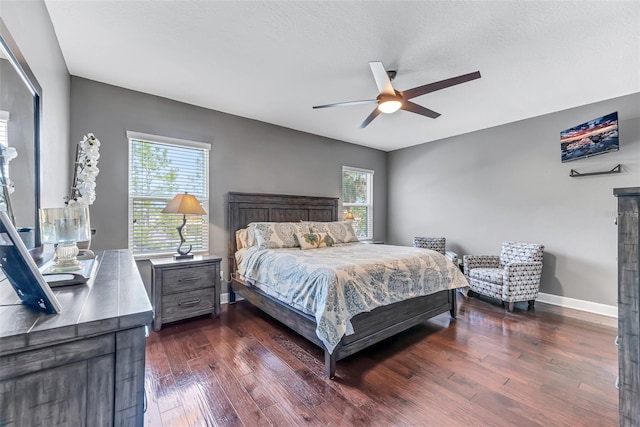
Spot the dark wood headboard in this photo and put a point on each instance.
(245, 208)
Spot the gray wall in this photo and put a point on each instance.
(246, 155)
(31, 28)
(507, 183)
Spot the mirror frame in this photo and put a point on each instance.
(22, 68)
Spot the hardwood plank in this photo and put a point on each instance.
(486, 368)
(157, 365)
(215, 408)
(166, 393)
(258, 391)
(152, 416)
(174, 417)
(261, 384)
(246, 408)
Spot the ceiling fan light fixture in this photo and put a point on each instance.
(389, 105)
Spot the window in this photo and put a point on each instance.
(357, 198)
(160, 168)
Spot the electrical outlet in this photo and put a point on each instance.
(222, 275)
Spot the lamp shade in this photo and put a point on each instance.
(184, 204)
(349, 216)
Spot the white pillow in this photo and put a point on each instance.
(341, 231)
(314, 240)
(245, 238)
(273, 235)
(239, 239)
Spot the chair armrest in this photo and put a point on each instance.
(479, 261)
(452, 256)
(523, 272)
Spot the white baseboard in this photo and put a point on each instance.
(224, 298)
(577, 304)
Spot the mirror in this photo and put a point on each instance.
(20, 114)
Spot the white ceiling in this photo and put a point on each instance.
(273, 60)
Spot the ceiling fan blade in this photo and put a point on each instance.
(418, 109)
(382, 78)
(442, 84)
(344, 104)
(370, 118)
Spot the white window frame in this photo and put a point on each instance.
(175, 142)
(368, 205)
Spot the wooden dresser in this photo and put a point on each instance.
(628, 306)
(85, 365)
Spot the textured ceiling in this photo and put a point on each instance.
(272, 61)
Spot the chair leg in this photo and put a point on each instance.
(531, 303)
(509, 306)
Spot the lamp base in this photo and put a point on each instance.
(187, 256)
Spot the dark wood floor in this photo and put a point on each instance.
(487, 368)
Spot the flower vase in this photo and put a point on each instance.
(83, 248)
(64, 227)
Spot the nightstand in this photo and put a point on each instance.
(184, 288)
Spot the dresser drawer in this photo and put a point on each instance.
(188, 278)
(188, 304)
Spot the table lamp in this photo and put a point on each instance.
(185, 204)
(349, 216)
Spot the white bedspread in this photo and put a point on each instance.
(335, 284)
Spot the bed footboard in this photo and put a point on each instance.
(369, 328)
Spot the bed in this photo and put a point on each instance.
(364, 329)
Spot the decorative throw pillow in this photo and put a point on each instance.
(341, 231)
(274, 235)
(314, 240)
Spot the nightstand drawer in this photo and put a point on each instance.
(188, 304)
(192, 277)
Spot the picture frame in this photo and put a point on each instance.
(22, 272)
(597, 136)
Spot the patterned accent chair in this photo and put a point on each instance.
(511, 277)
(435, 244)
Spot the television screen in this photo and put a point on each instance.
(594, 137)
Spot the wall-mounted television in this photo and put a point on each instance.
(597, 136)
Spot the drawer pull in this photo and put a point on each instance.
(189, 303)
(618, 382)
(189, 279)
(617, 341)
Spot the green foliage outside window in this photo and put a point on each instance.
(356, 198)
(157, 173)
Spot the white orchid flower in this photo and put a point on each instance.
(9, 153)
(86, 171)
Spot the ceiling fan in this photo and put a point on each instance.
(390, 100)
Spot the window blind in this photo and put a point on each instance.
(357, 198)
(157, 172)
